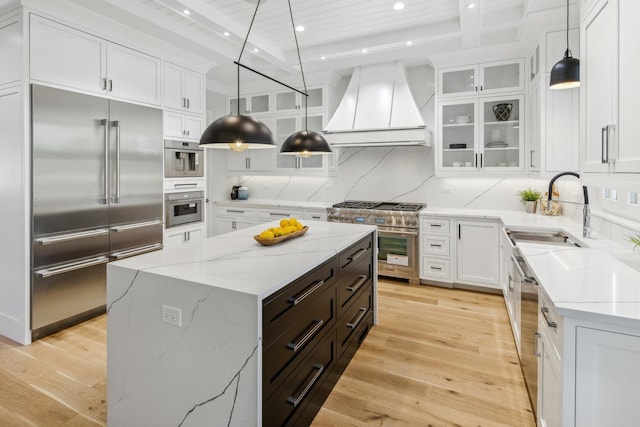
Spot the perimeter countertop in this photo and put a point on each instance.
(235, 261)
(599, 281)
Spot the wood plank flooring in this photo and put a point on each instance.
(438, 357)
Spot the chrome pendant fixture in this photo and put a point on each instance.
(303, 143)
(236, 131)
(565, 74)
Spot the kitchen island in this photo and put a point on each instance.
(190, 344)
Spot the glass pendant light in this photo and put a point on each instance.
(566, 73)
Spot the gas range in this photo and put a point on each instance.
(382, 214)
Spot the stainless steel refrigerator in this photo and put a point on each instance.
(96, 196)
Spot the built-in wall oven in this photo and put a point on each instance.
(183, 159)
(183, 208)
(398, 226)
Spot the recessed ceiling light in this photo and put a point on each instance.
(398, 6)
(409, 43)
(471, 5)
(256, 50)
(226, 34)
(364, 51)
(187, 12)
(323, 57)
(300, 28)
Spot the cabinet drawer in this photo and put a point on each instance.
(353, 279)
(352, 344)
(548, 316)
(235, 211)
(358, 251)
(353, 318)
(436, 269)
(305, 389)
(434, 225)
(433, 244)
(276, 214)
(282, 310)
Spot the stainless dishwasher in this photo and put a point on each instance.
(528, 325)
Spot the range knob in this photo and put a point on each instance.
(389, 221)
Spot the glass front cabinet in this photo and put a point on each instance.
(481, 134)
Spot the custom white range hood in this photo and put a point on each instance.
(377, 109)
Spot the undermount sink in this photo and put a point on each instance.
(546, 237)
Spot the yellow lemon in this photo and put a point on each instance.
(292, 228)
(293, 221)
(285, 230)
(299, 226)
(266, 234)
(284, 222)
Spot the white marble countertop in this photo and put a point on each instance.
(279, 203)
(599, 280)
(235, 261)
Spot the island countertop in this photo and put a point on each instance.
(235, 261)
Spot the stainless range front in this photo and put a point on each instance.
(398, 226)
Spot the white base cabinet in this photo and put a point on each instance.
(180, 236)
(478, 253)
(435, 249)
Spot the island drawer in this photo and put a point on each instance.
(282, 309)
(306, 329)
(353, 317)
(302, 393)
(352, 281)
(349, 257)
(353, 343)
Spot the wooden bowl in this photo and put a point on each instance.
(280, 239)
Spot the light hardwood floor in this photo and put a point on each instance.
(438, 357)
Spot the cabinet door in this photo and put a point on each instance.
(478, 251)
(63, 56)
(173, 124)
(284, 127)
(607, 378)
(457, 138)
(501, 133)
(11, 48)
(549, 410)
(133, 75)
(193, 127)
(260, 103)
(227, 225)
(533, 128)
(195, 234)
(502, 76)
(193, 91)
(628, 88)
(598, 83)
(233, 106)
(562, 129)
(287, 102)
(172, 86)
(315, 123)
(174, 239)
(458, 81)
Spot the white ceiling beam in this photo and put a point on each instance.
(470, 23)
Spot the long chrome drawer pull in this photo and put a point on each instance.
(433, 245)
(358, 283)
(278, 214)
(234, 211)
(536, 339)
(72, 266)
(295, 401)
(71, 236)
(353, 325)
(107, 156)
(545, 314)
(136, 251)
(435, 225)
(310, 333)
(516, 262)
(357, 254)
(435, 268)
(311, 289)
(136, 225)
(405, 233)
(116, 124)
(190, 184)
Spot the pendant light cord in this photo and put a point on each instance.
(304, 83)
(255, 12)
(568, 53)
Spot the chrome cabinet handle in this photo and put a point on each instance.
(357, 284)
(516, 262)
(545, 314)
(295, 401)
(119, 228)
(235, 211)
(307, 336)
(536, 344)
(71, 236)
(435, 225)
(110, 85)
(510, 282)
(362, 311)
(311, 289)
(357, 254)
(190, 184)
(434, 245)
(188, 103)
(604, 152)
(72, 266)
(435, 268)
(116, 124)
(278, 214)
(531, 165)
(104, 83)
(136, 251)
(105, 199)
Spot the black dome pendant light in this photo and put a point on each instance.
(303, 143)
(566, 73)
(236, 131)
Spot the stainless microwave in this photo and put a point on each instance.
(183, 208)
(182, 159)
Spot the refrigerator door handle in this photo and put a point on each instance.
(137, 251)
(116, 124)
(105, 200)
(137, 225)
(48, 272)
(71, 236)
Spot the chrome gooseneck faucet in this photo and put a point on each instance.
(586, 213)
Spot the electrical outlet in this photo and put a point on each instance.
(172, 315)
(446, 190)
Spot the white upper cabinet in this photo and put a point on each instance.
(66, 57)
(11, 48)
(488, 78)
(289, 101)
(251, 104)
(183, 89)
